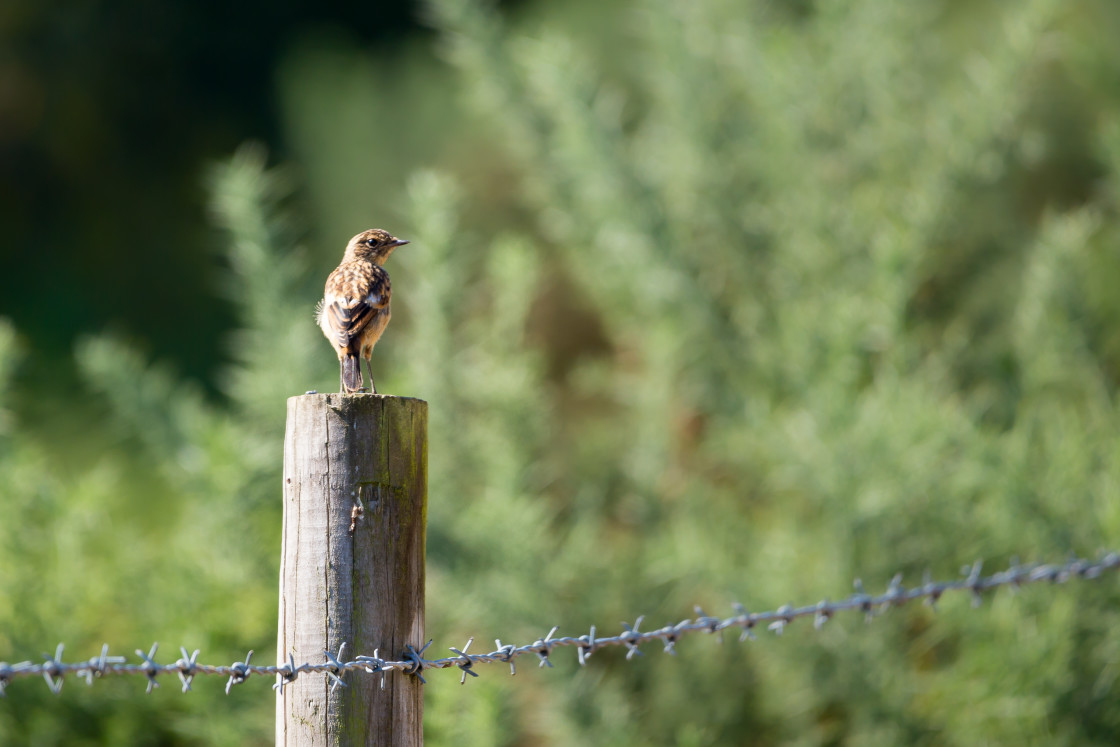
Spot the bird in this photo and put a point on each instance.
(355, 306)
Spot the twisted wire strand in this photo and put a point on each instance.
(412, 662)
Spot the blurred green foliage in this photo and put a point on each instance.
(109, 112)
(712, 302)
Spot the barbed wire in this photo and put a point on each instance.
(412, 662)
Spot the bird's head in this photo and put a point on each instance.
(374, 245)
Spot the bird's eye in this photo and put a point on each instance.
(371, 242)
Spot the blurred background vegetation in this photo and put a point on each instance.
(713, 302)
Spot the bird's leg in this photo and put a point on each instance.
(369, 367)
(341, 380)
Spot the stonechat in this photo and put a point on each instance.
(355, 306)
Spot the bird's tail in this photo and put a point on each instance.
(351, 373)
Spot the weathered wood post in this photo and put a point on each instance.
(352, 564)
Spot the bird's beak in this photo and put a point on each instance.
(399, 242)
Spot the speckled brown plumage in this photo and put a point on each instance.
(355, 307)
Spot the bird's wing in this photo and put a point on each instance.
(355, 293)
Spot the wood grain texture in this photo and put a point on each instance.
(364, 587)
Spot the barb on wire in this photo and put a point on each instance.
(151, 669)
(240, 671)
(186, 667)
(54, 670)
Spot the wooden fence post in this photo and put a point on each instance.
(352, 564)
